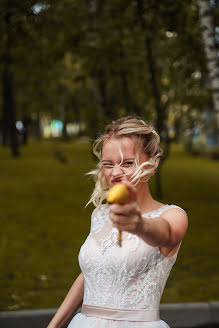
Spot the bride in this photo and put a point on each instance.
(121, 287)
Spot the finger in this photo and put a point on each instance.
(117, 209)
(132, 191)
(121, 219)
(126, 209)
(124, 227)
(118, 219)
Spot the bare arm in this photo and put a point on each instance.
(166, 231)
(71, 303)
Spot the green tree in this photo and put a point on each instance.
(208, 28)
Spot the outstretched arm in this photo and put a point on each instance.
(165, 231)
(168, 229)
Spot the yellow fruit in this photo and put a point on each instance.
(118, 194)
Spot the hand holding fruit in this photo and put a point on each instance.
(124, 212)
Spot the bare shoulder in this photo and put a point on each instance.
(175, 213)
(178, 221)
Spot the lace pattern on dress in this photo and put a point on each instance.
(131, 277)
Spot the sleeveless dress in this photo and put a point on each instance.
(122, 285)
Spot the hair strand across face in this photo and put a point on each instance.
(147, 142)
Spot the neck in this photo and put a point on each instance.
(144, 198)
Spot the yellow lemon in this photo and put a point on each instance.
(118, 194)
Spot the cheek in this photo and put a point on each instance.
(106, 173)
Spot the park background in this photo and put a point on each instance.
(69, 67)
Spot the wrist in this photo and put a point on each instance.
(142, 227)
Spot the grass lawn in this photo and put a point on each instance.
(44, 223)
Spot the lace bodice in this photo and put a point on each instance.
(131, 277)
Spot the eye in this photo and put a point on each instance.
(128, 163)
(107, 165)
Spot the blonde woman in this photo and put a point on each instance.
(121, 287)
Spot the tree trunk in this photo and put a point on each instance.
(63, 119)
(5, 118)
(158, 185)
(131, 107)
(107, 110)
(26, 123)
(107, 113)
(9, 110)
(38, 130)
(207, 28)
(9, 116)
(160, 125)
(160, 111)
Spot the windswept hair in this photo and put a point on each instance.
(147, 141)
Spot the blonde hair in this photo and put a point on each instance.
(147, 140)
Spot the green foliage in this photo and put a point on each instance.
(92, 61)
(44, 223)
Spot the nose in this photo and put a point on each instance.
(117, 171)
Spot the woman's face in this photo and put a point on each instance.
(118, 159)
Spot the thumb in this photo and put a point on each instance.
(132, 191)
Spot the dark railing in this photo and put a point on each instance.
(179, 315)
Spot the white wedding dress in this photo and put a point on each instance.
(122, 285)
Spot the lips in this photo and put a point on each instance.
(116, 181)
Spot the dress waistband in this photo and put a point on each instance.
(120, 314)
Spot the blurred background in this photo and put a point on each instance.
(66, 69)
